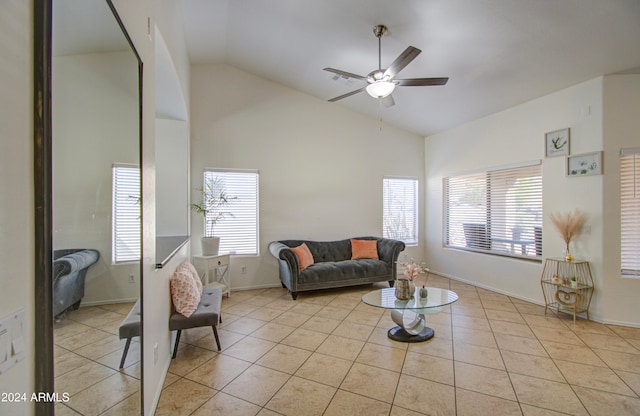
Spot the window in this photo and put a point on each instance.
(238, 231)
(125, 227)
(630, 211)
(496, 211)
(400, 209)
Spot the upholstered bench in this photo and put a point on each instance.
(130, 328)
(206, 314)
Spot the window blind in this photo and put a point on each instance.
(497, 211)
(126, 230)
(238, 231)
(400, 209)
(630, 211)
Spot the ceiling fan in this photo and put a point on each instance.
(381, 82)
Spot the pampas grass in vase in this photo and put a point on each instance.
(569, 226)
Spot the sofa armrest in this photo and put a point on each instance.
(389, 250)
(288, 264)
(74, 262)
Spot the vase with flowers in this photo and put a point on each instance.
(569, 226)
(405, 284)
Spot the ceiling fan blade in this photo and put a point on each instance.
(388, 101)
(417, 82)
(403, 60)
(345, 74)
(349, 94)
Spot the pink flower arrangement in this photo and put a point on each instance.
(412, 269)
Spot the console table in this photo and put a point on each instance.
(214, 271)
(567, 286)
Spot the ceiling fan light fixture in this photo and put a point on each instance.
(380, 89)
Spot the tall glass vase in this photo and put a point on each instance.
(568, 256)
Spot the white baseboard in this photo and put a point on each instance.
(503, 292)
(268, 286)
(107, 302)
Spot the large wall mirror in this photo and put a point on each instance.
(92, 143)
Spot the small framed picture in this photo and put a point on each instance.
(585, 164)
(557, 143)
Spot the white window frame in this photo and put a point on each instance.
(126, 230)
(400, 215)
(238, 232)
(495, 211)
(630, 212)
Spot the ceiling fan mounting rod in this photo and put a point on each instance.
(379, 30)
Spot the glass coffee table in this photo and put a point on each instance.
(409, 314)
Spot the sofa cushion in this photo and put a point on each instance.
(364, 249)
(305, 258)
(330, 271)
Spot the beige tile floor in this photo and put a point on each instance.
(87, 352)
(328, 354)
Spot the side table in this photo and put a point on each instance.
(561, 291)
(214, 271)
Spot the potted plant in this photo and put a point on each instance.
(213, 198)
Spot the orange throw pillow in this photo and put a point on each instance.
(364, 249)
(305, 258)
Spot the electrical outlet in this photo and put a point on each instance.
(243, 270)
(132, 278)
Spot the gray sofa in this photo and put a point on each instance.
(333, 266)
(69, 270)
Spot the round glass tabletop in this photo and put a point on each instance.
(386, 298)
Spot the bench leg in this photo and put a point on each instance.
(175, 349)
(124, 353)
(215, 334)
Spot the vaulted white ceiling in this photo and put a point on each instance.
(497, 53)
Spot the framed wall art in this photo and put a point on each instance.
(585, 164)
(557, 143)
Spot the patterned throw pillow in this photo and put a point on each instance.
(364, 249)
(184, 293)
(188, 268)
(305, 258)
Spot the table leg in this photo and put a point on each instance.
(411, 327)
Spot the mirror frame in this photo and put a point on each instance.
(42, 180)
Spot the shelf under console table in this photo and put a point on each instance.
(567, 286)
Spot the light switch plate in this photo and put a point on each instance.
(12, 340)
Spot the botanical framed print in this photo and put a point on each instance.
(557, 143)
(585, 164)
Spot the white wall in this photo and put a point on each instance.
(16, 188)
(142, 18)
(621, 130)
(172, 177)
(321, 166)
(517, 135)
(95, 124)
